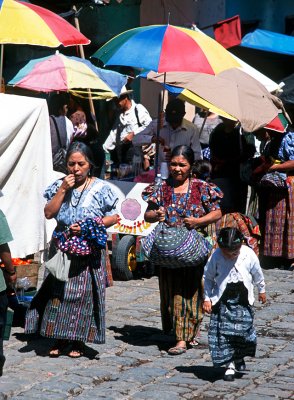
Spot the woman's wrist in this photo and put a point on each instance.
(10, 271)
(62, 190)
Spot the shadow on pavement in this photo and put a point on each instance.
(205, 373)
(139, 335)
(41, 346)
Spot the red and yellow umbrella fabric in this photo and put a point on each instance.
(25, 23)
(165, 48)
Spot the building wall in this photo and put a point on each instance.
(271, 13)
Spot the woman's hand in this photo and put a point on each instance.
(53, 206)
(110, 220)
(263, 167)
(262, 298)
(207, 306)
(212, 216)
(75, 229)
(191, 222)
(160, 213)
(68, 182)
(155, 215)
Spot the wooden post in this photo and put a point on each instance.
(2, 85)
(82, 54)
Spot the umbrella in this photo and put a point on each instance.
(61, 73)
(24, 23)
(166, 48)
(233, 91)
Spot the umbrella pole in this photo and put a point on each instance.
(82, 53)
(157, 133)
(1, 68)
(160, 111)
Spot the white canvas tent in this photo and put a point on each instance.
(25, 171)
(270, 85)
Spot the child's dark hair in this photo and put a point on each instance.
(201, 169)
(230, 238)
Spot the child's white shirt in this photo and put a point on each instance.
(218, 269)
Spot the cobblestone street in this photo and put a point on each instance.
(134, 364)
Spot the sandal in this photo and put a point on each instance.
(177, 350)
(194, 343)
(58, 348)
(77, 350)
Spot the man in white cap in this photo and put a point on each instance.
(131, 120)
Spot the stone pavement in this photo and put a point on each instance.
(134, 364)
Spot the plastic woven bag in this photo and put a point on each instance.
(175, 247)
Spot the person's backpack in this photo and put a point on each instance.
(59, 158)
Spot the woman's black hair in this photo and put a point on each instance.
(230, 238)
(202, 169)
(80, 147)
(184, 151)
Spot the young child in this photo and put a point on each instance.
(229, 276)
(201, 169)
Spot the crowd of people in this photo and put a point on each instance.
(203, 189)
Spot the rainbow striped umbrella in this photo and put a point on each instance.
(61, 73)
(165, 48)
(25, 23)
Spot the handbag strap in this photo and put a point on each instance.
(137, 117)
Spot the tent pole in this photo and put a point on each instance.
(82, 53)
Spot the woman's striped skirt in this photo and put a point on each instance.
(181, 295)
(73, 310)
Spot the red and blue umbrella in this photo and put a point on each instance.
(165, 48)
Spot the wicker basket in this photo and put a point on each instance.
(31, 271)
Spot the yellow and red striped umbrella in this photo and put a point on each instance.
(25, 23)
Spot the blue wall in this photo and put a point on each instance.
(271, 13)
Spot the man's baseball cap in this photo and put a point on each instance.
(175, 108)
(124, 92)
